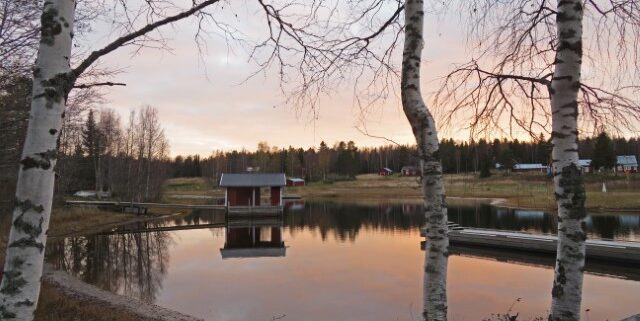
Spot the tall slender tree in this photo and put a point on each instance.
(53, 79)
(568, 180)
(535, 55)
(603, 154)
(20, 285)
(93, 145)
(426, 134)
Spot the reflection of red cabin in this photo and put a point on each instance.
(244, 189)
(409, 208)
(293, 181)
(253, 241)
(385, 171)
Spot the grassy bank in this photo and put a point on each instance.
(56, 306)
(530, 190)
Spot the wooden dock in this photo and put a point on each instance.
(142, 208)
(603, 250)
(262, 209)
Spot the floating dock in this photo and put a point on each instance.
(603, 250)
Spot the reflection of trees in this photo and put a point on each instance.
(486, 216)
(614, 226)
(200, 217)
(344, 221)
(131, 264)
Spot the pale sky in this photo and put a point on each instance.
(203, 106)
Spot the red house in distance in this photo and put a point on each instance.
(243, 191)
(294, 181)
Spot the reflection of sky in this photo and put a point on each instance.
(377, 277)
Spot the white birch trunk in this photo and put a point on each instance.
(425, 132)
(568, 181)
(34, 192)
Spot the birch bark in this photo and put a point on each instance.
(425, 132)
(20, 285)
(568, 180)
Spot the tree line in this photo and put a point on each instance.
(344, 160)
(96, 151)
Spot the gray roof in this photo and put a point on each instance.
(584, 162)
(530, 166)
(629, 160)
(252, 179)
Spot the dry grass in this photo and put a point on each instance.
(530, 190)
(56, 306)
(179, 190)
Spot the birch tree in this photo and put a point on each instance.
(568, 181)
(53, 79)
(426, 134)
(20, 285)
(536, 55)
(298, 41)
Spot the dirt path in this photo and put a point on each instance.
(79, 290)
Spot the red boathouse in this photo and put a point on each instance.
(243, 191)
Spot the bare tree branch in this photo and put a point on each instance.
(108, 83)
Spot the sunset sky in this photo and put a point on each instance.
(204, 104)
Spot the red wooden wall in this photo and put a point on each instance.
(275, 196)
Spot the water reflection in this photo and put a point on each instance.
(619, 226)
(332, 261)
(252, 238)
(130, 264)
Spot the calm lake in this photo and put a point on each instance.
(334, 261)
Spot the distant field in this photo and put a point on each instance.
(532, 190)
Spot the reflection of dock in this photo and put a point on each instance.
(126, 230)
(604, 250)
(542, 260)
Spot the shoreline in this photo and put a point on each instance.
(76, 289)
(455, 200)
(90, 294)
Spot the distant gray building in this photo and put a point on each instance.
(585, 165)
(626, 164)
(530, 168)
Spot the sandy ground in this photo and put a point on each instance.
(77, 289)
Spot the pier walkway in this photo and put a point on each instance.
(604, 250)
